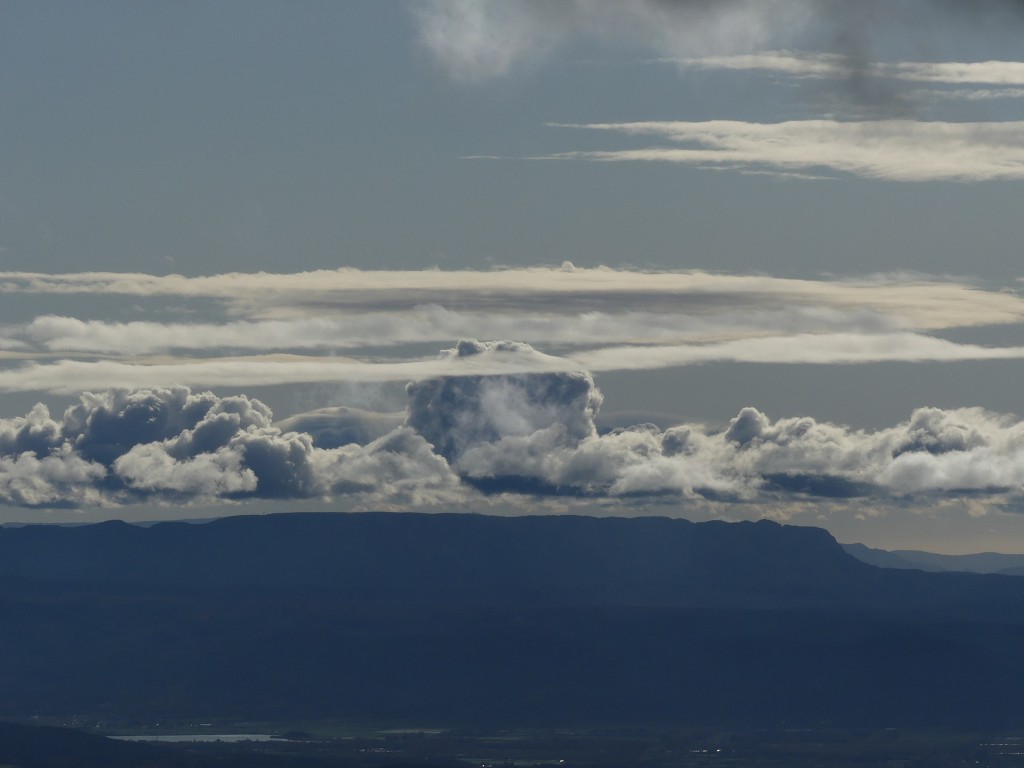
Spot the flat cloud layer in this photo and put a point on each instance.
(293, 328)
(469, 438)
(71, 376)
(912, 302)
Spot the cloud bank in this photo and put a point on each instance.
(464, 440)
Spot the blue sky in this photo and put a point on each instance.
(757, 259)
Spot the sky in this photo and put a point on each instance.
(714, 259)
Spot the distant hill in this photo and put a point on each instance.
(983, 562)
(463, 619)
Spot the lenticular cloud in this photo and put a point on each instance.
(465, 438)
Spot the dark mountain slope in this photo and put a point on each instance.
(46, 747)
(441, 558)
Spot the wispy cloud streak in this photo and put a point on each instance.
(910, 302)
(430, 324)
(70, 376)
(838, 66)
(895, 150)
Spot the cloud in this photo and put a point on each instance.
(818, 65)
(972, 94)
(72, 376)
(874, 86)
(58, 479)
(478, 40)
(150, 469)
(895, 150)
(597, 319)
(487, 436)
(457, 413)
(335, 426)
(35, 432)
(175, 445)
(101, 427)
(534, 434)
(474, 41)
(818, 349)
(950, 453)
(60, 335)
(379, 303)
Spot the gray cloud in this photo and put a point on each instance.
(341, 425)
(457, 413)
(103, 426)
(174, 445)
(758, 459)
(59, 479)
(535, 434)
(477, 40)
